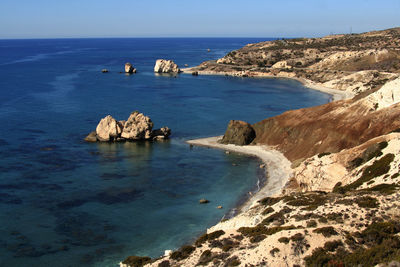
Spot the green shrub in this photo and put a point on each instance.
(233, 261)
(284, 240)
(367, 202)
(205, 257)
(324, 154)
(183, 253)
(311, 201)
(277, 216)
(333, 245)
(378, 168)
(274, 251)
(319, 257)
(261, 229)
(208, 237)
(165, 263)
(312, 223)
(269, 201)
(136, 261)
(257, 238)
(327, 231)
(297, 237)
(268, 211)
(371, 152)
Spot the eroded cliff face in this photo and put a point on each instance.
(302, 133)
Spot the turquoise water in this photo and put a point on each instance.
(64, 202)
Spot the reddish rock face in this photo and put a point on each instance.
(302, 133)
(238, 133)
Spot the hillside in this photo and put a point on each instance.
(353, 63)
(340, 204)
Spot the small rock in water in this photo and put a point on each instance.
(227, 152)
(195, 73)
(92, 137)
(104, 70)
(208, 50)
(262, 166)
(129, 68)
(219, 207)
(204, 201)
(186, 65)
(234, 164)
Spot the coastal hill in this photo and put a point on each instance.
(340, 203)
(352, 62)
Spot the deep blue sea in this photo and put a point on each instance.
(64, 202)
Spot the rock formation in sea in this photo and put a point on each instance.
(238, 133)
(129, 68)
(108, 129)
(136, 127)
(166, 66)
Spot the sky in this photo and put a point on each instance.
(189, 18)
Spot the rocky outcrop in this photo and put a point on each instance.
(162, 133)
(129, 68)
(136, 127)
(108, 129)
(166, 66)
(238, 133)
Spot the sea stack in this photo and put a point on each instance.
(129, 68)
(136, 128)
(238, 133)
(166, 66)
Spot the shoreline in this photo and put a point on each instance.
(336, 94)
(277, 167)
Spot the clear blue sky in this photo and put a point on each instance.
(173, 18)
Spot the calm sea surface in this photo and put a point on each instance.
(64, 202)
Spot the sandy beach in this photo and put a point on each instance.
(277, 166)
(336, 94)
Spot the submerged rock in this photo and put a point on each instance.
(166, 66)
(137, 127)
(92, 137)
(238, 133)
(129, 68)
(162, 133)
(204, 201)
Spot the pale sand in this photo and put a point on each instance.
(336, 94)
(278, 167)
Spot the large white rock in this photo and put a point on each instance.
(166, 66)
(137, 127)
(129, 68)
(108, 129)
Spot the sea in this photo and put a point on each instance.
(65, 202)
